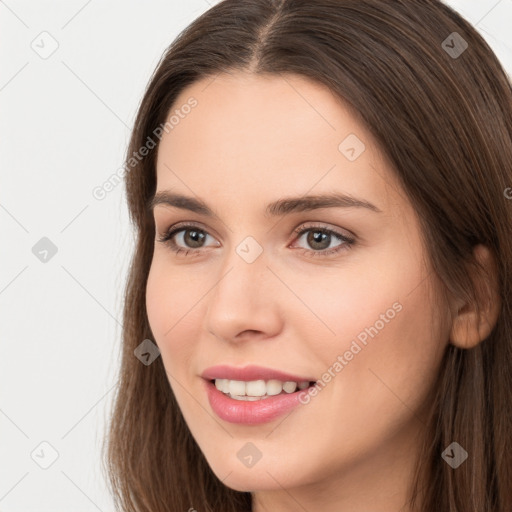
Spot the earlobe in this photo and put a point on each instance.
(473, 322)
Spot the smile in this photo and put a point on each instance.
(257, 389)
(252, 395)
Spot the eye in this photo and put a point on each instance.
(320, 239)
(188, 235)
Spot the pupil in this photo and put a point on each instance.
(196, 237)
(316, 238)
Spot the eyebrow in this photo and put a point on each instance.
(277, 208)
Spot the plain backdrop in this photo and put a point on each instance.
(71, 77)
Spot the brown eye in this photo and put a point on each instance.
(188, 238)
(193, 238)
(319, 240)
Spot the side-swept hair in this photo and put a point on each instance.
(445, 122)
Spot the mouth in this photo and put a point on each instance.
(253, 395)
(255, 390)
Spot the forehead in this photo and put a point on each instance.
(252, 135)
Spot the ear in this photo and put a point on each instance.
(470, 326)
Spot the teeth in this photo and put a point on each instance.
(222, 385)
(274, 387)
(257, 389)
(290, 387)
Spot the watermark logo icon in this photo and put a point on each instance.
(44, 455)
(454, 45)
(146, 352)
(45, 45)
(44, 250)
(352, 147)
(249, 455)
(249, 249)
(454, 455)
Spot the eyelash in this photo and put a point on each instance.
(167, 238)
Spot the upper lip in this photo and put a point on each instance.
(250, 373)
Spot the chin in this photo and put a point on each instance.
(251, 480)
(263, 476)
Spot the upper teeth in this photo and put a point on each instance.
(257, 388)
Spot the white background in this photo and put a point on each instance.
(65, 123)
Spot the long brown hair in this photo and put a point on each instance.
(442, 113)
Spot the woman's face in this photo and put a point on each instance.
(350, 302)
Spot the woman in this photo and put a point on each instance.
(324, 261)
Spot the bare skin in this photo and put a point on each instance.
(251, 141)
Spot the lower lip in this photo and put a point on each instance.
(250, 412)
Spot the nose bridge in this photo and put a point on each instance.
(242, 275)
(243, 296)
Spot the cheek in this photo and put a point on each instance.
(413, 348)
(362, 300)
(171, 302)
(402, 334)
(387, 325)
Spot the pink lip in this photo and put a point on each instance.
(251, 372)
(250, 413)
(246, 412)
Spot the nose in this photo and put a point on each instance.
(244, 302)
